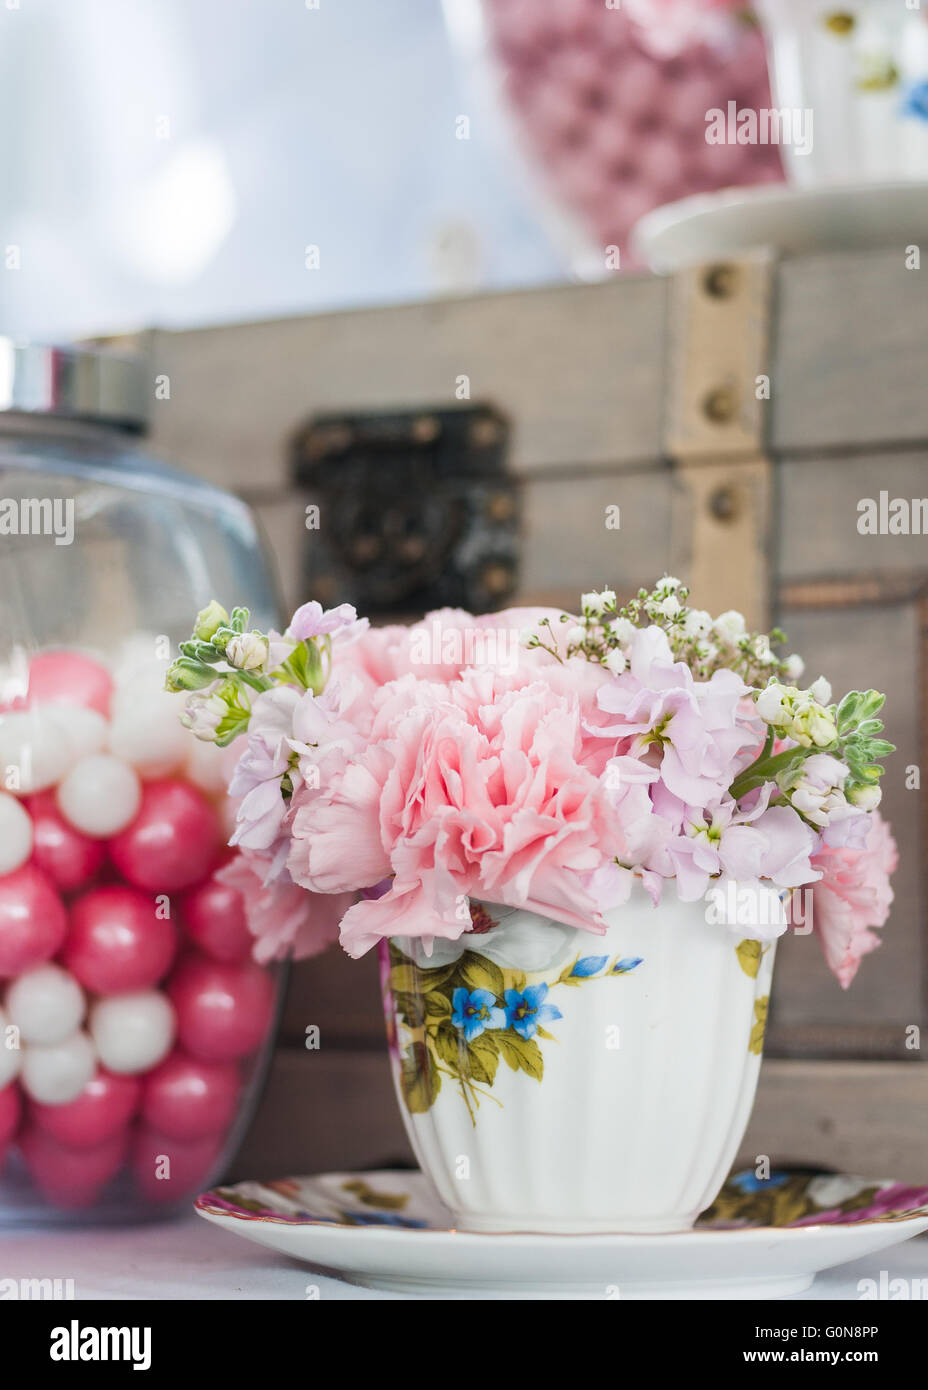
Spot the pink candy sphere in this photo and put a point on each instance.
(172, 843)
(223, 1011)
(168, 1169)
(190, 1099)
(102, 1111)
(69, 678)
(10, 1111)
(72, 1177)
(118, 941)
(213, 916)
(33, 920)
(71, 860)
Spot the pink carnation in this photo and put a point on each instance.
(476, 788)
(852, 896)
(282, 917)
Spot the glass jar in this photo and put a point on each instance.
(134, 1026)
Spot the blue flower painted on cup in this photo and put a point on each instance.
(526, 1009)
(588, 965)
(748, 1181)
(916, 101)
(476, 1010)
(627, 963)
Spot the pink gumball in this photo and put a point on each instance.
(69, 678)
(173, 841)
(70, 859)
(10, 1111)
(72, 1177)
(101, 1111)
(33, 921)
(167, 1169)
(214, 918)
(223, 1011)
(190, 1099)
(118, 941)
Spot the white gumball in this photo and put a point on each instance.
(47, 1005)
(33, 749)
(100, 795)
(148, 734)
(57, 1073)
(11, 1052)
(15, 834)
(83, 729)
(207, 766)
(133, 1032)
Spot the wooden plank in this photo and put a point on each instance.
(578, 370)
(851, 351)
(854, 646)
(818, 514)
(721, 535)
(853, 1117)
(335, 1111)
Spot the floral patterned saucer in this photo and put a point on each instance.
(760, 1239)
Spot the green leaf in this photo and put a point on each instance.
(404, 978)
(479, 973)
(484, 1058)
(749, 955)
(543, 1033)
(437, 1005)
(420, 1080)
(756, 1040)
(449, 1046)
(521, 1054)
(410, 1006)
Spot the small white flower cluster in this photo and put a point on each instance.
(603, 633)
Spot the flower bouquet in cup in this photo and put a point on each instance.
(575, 840)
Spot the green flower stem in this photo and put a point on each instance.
(766, 768)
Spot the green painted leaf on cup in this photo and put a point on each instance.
(477, 972)
(521, 1054)
(749, 955)
(756, 1041)
(419, 1078)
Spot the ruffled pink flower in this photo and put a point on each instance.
(482, 791)
(282, 917)
(852, 896)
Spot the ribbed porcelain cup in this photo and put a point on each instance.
(553, 1080)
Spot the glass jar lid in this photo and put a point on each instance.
(74, 383)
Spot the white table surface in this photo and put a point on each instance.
(190, 1259)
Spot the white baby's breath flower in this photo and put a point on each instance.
(624, 630)
(670, 606)
(575, 635)
(706, 651)
(820, 690)
(527, 637)
(614, 661)
(608, 599)
(730, 627)
(794, 666)
(668, 584)
(592, 603)
(698, 623)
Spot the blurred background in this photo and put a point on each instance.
(382, 259)
(171, 163)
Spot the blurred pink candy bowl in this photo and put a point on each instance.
(607, 129)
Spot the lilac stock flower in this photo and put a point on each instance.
(259, 771)
(693, 726)
(311, 620)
